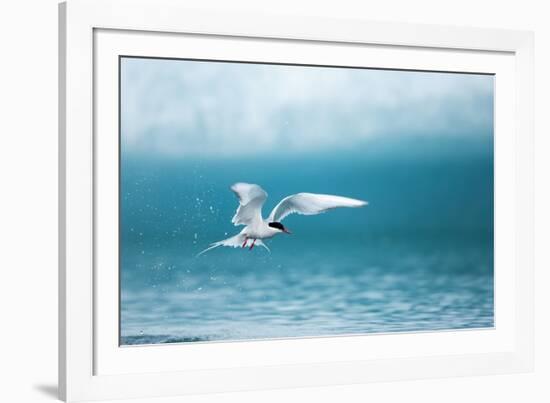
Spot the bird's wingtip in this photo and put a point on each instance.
(360, 203)
(237, 187)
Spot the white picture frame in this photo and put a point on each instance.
(94, 33)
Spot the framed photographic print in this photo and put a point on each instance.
(251, 202)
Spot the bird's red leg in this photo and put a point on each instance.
(245, 241)
(253, 242)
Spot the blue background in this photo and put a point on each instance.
(418, 146)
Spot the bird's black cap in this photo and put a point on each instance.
(277, 225)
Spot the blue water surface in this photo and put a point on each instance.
(419, 257)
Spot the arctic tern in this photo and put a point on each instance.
(249, 213)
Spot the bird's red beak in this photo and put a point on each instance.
(286, 231)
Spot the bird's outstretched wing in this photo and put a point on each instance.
(310, 204)
(251, 199)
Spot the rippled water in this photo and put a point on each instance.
(238, 294)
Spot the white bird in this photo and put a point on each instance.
(249, 213)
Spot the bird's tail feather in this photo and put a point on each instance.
(235, 242)
(212, 246)
(260, 243)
